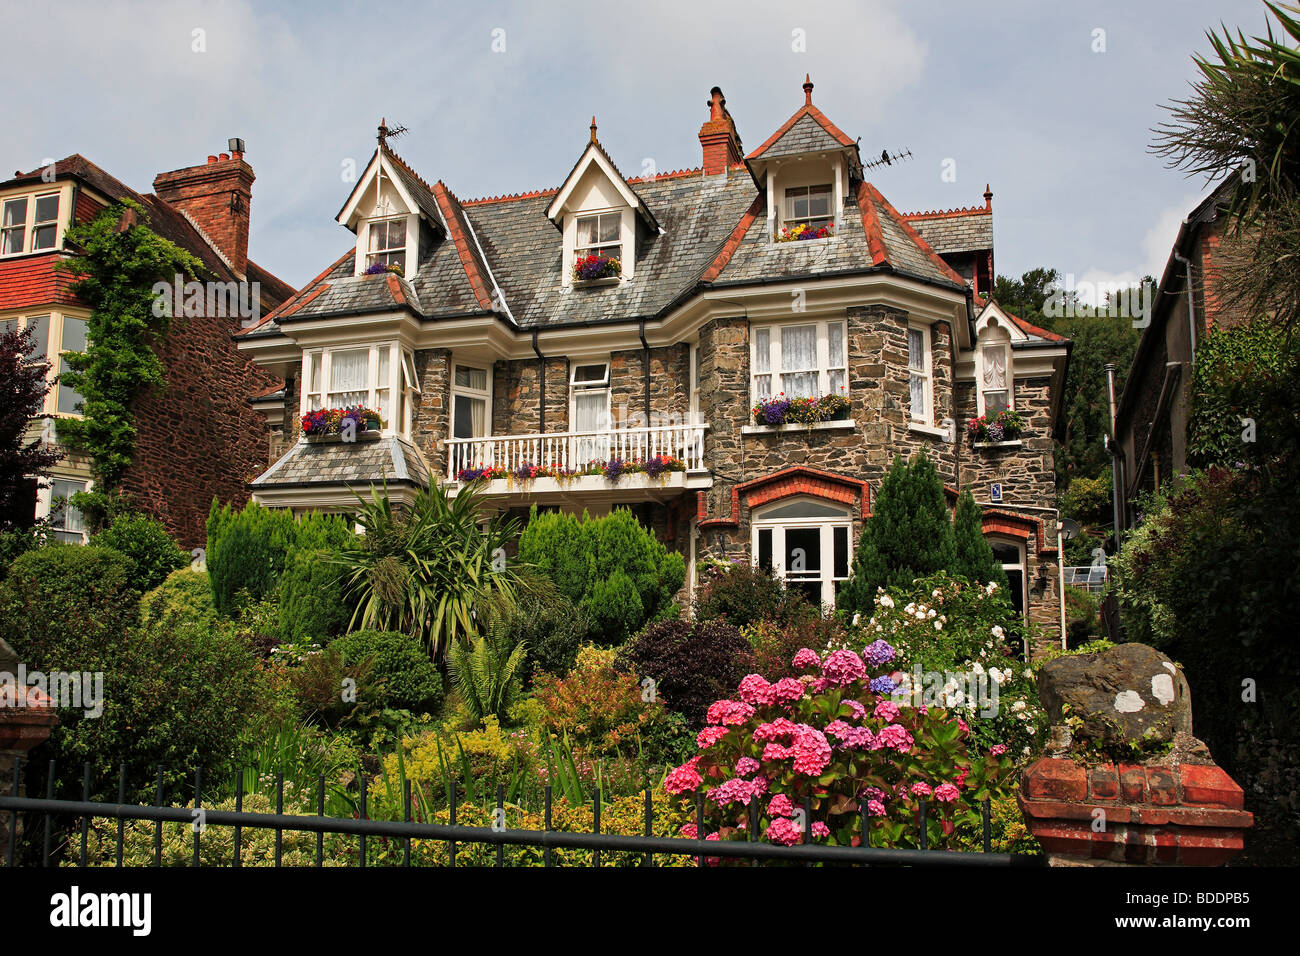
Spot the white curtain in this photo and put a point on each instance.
(799, 361)
(995, 367)
(589, 416)
(349, 372)
(835, 353)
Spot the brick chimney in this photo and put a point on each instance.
(217, 196)
(718, 137)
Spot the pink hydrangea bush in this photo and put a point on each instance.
(833, 740)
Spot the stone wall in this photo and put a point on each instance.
(515, 391)
(430, 423)
(670, 394)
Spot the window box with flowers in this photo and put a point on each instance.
(803, 232)
(1000, 429)
(655, 468)
(382, 269)
(781, 410)
(342, 424)
(593, 269)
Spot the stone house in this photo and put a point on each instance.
(505, 349)
(199, 438)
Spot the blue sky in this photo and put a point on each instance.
(1011, 90)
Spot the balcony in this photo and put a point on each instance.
(574, 463)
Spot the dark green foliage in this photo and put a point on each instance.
(312, 605)
(61, 602)
(249, 550)
(23, 386)
(1082, 617)
(146, 543)
(775, 644)
(1244, 396)
(743, 594)
(693, 663)
(488, 671)
(184, 598)
(610, 567)
(403, 675)
(975, 561)
(115, 276)
(909, 534)
(332, 691)
(551, 627)
(173, 695)
(17, 542)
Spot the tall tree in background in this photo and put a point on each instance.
(23, 384)
(975, 561)
(1240, 121)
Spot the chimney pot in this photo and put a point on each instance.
(224, 157)
(212, 159)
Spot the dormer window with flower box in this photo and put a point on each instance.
(387, 246)
(809, 213)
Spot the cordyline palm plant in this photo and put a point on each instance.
(422, 570)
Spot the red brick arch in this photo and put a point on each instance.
(788, 483)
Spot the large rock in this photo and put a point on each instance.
(1130, 697)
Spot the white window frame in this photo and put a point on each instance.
(373, 255)
(394, 383)
(591, 448)
(484, 395)
(695, 384)
(789, 220)
(1022, 566)
(926, 373)
(46, 508)
(29, 224)
(824, 365)
(600, 247)
(826, 526)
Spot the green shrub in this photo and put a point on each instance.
(17, 542)
(66, 606)
(405, 677)
(743, 594)
(331, 690)
(551, 627)
(974, 561)
(184, 598)
(145, 541)
(775, 644)
(250, 549)
(693, 663)
(312, 605)
(488, 672)
(611, 567)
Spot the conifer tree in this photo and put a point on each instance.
(975, 561)
(908, 535)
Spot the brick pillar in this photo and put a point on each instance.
(1094, 799)
(26, 719)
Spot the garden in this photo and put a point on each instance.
(327, 664)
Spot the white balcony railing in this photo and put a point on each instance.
(571, 451)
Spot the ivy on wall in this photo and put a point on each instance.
(119, 261)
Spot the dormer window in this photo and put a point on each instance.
(809, 206)
(387, 243)
(997, 396)
(600, 235)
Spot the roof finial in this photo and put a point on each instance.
(593, 129)
(988, 197)
(807, 89)
(383, 131)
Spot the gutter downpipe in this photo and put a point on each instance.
(1116, 462)
(541, 386)
(1191, 304)
(645, 369)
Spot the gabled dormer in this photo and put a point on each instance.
(600, 218)
(393, 213)
(806, 168)
(995, 331)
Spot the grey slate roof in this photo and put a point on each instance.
(522, 253)
(355, 464)
(805, 136)
(965, 233)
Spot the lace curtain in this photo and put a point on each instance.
(348, 373)
(799, 361)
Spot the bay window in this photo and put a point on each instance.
(365, 375)
(72, 339)
(29, 224)
(920, 374)
(806, 543)
(805, 360)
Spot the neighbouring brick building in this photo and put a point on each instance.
(506, 349)
(200, 437)
(1152, 414)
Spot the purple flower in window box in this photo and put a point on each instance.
(614, 469)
